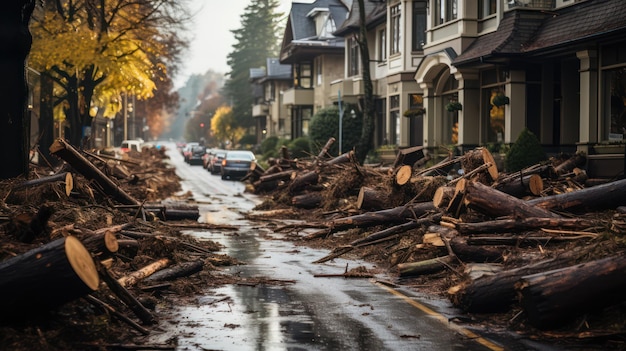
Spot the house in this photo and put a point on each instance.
(316, 57)
(269, 112)
(478, 71)
(558, 66)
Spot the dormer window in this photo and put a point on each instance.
(324, 23)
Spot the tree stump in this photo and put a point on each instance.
(46, 277)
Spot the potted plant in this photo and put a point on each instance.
(453, 106)
(414, 112)
(500, 100)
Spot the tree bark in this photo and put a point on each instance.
(552, 298)
(46, 277)
(602, 196)
(308, 201)
(394, 215)
(495, 293)
(144, 272)
(65, 151)
(370, 199)
(497, 204)
(178, 271)
(523, 185)
(409, 156)
(520, 224)
(430, 266)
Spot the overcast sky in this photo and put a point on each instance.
(212, 39)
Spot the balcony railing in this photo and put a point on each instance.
(530, 4)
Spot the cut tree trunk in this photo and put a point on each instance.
(609, 195)
(403, 174)
(324, 150)
(408, 156)
(495, 293)
(370, 199)
(495, 203)
(368, 219)
(472, 253)
(102, 245)
(443, 196)
(178, 271)
(307, 201)
(303, 180)
(430, 266)
(143, 273)
(46, 277)
(521, 186)
(476, 158)
(553, 298)
(576, 161)
(520, 224)
(69, 154)
(65, 177)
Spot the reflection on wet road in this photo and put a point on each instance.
(302, 313)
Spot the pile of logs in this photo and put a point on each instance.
(473, 218)
(46, 263)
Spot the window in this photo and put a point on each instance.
(615, 96)
(302, 75)
(445, 11)
(419, 25)
(318, 71)
(395, 30)
(382, 45)
(394, 119)
(353, 57)
(486, 8)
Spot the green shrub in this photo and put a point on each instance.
(325, 124)
(299, 148)
(269, 144)
(526, 151)
(247, 140)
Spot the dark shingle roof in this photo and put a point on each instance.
(523, 31)
(276, 70)
(375, 13)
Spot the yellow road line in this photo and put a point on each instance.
(441, 318)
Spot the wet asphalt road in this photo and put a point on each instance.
(306, 312)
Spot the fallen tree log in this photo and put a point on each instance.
(408, 156)
(178, 271)
(608, 195)
(523, 185)
(127, 298)
(495, 203)
(429, 266)
(371, 199)
(495, 293)
(472, 253)
(46, 277)
(394, 215)
(308, 201)
(65, 177)
(550, 299)
(520, 224)
(480, 158)
(134, 277)
(301, 181)
(69, 154)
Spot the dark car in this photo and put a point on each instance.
(215, 163)
(236, 164)
(195, 155)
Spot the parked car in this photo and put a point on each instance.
(187, 150)
(196, 154)
(130, 145)
(215, 164)
(236, 164)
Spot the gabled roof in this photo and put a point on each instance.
(375, 14)
(301, 37)
(534, 32)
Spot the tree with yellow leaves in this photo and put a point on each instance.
(95, 51)
(223, 126)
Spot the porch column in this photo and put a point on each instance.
(430, 105)
(469, 116)
(515, 112)
(588, 96)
